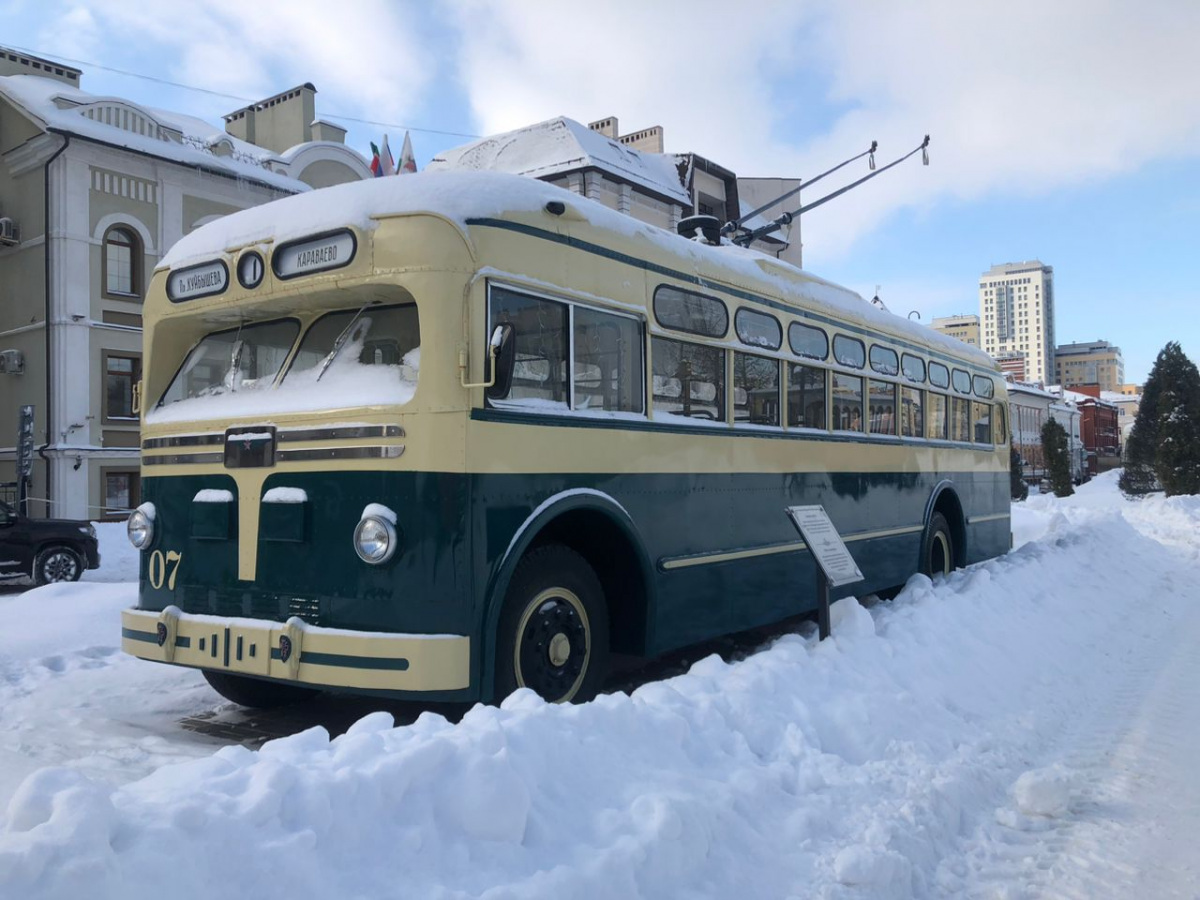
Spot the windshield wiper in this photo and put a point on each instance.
(235, 361)
(341, 340)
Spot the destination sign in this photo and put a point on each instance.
(193, 282)
(826, 544)
(319, 254)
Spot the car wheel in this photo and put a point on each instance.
(256, 693)
(937, 550)
(57, 564)
(553, 635)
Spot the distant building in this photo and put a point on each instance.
(1016, 313)
(1131, 390)
(1095, 362)
(629, 173)
(962, 327)
(1127, 409)
(93, 191)
(1099, 426)
(1012, 364)
(1030, 407)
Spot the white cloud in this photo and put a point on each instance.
(1019, 96)
(367, 59)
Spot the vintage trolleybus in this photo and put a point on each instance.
(449, 435)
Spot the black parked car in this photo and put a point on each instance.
(47, 550)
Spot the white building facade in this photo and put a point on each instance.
(1016, 314)
(96, 189)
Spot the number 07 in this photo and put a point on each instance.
(157, 568)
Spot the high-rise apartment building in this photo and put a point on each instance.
(964, 328)
(1093, 362)
(1016, 312)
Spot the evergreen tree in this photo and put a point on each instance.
(1058, 459)
(1138, 476)
(1163, 450)
(1177, 455)
(1018, 489)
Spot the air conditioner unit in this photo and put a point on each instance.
(10, 232)
(12, 362)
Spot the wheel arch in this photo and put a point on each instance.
(944, 499)
(600, 530)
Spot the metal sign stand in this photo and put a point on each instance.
(835, 565)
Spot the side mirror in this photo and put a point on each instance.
(501, 354)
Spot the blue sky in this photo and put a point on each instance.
(1066, 132)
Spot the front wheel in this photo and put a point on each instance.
(57, 564)
(937, 549)
(553, 635)
(255, 693)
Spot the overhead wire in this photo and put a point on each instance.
(200, 90)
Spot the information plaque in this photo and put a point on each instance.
(835, 565)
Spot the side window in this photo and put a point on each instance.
(937, 415)
(960, 419)
(758, 329)
(694, 313)
(808, 341)
(1001, 424)
(540, 348)
(912, 423)
(847, 402)
(882, 407)
(608, 362)
(689, 380)
(939, 375)
(755, 390)
(884, 361)
(984, 387)
(849, 351)
(806, 397)
(913, 368)
(962, 381)
(981, 422)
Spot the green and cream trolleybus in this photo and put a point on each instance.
(454, 434)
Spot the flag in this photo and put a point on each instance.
(408, 162)
(386, 163)
(376, 168)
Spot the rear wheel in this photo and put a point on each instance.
(256, 693)
(553, 635)
(57, 564)
(937, 550)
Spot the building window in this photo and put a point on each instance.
(122, 263)
(122, 493)
(121, 373)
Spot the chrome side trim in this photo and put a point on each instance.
(322, 453)
(887, 532)
(187, 440)
(972, 520)
(684, 562)
(339, 434)
(183, 459)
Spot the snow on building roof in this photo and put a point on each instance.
(564, 145)
(459, 196)
(168, 135)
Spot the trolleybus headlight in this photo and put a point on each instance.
(375, 540)
(141, 529)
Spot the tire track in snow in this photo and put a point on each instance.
(1134, 797)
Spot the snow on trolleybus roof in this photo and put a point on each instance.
(463, 196)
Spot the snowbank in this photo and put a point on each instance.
(869, 765)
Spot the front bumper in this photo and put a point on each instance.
(300, 653)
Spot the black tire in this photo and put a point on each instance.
(256, 693)
(57, 564)
(937, 547)
(553, 632)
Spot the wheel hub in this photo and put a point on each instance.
(560, 649)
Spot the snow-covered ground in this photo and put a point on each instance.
(1025, 728)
